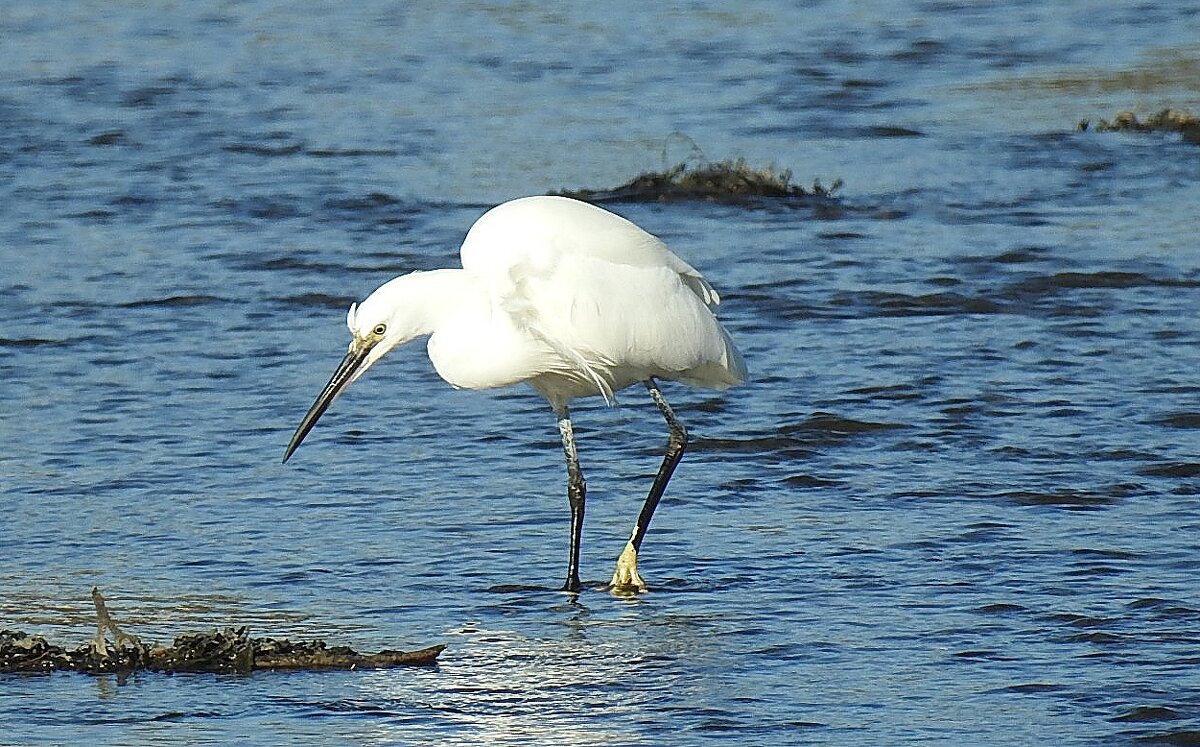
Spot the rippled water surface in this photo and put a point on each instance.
(958, 502)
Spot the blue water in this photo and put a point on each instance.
(957, 503)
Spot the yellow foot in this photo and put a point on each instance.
(625, 579)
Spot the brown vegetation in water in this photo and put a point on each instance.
(224, 651)
(729, 181)
(1166, 120)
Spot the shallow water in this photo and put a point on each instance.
(957, 503)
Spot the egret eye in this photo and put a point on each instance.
(380, 329)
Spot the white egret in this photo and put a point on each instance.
(570, 299)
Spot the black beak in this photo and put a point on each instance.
(344, 374)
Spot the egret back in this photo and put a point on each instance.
(609, 297)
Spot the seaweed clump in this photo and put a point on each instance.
(226, 651)
(1166, 120)
(223, 651)
(730, 181)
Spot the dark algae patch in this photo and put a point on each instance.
(231, 650)
(1166, 120)
(730, 181)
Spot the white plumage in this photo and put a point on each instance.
(565, 296)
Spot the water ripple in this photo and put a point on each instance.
(962, 480)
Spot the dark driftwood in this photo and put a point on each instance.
(224, 651)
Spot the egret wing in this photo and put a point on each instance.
(611, 299)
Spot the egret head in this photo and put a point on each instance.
(376, 326)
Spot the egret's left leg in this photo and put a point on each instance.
(625, 577)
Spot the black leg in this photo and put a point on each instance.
(576, 492)
(626, 575)
(677, 442)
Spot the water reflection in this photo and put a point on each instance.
(606, 672)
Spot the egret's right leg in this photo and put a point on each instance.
(576, 491)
